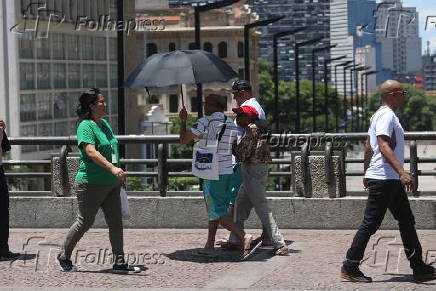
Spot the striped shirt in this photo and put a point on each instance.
(207, 130)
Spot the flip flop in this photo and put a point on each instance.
(245, 255)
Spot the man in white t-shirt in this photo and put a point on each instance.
(5, 253)
(387, 181)
(216, 126)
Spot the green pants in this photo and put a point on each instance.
(90, 198)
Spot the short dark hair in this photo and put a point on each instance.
(241, 85)
(85, 101)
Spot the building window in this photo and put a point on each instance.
(27, 76)
(114, 76)
(171, 47)
(88, 76)
(61, 128)
(194, 105)
(42, 48)
(59, 79)
(86, 48)
(114, 103)
(43, 76)
(74, 76)
(58, 43)
(101, 76)
(45, 129)
(44, 106)
(27, 107)
(151, 49)
(26, 46)
(174, 103)
(222, 49)
(100, 48)
(60, 106)
(240, 49)
(73, 47)
(113, 49)
(192, 46)
(28, 130)
(73, 101)
(208, 47)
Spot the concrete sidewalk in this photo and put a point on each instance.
(171, 262)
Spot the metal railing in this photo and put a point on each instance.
(285, 142)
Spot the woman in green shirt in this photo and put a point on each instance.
(98, 180)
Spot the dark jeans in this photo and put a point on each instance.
(383, 195)
(4, 212)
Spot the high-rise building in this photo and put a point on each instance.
(429, 70)
(397, 31)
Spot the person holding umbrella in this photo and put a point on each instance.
(216, 127)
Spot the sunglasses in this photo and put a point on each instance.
(403, 92)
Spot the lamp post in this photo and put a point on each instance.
(198, 9)
(314, 51)
(345, 95)
(357, 95)
(276, 37)
(121, 92)
(297, 77)
(365, 111)
(326, 62)
(336, 90)
(352, 94)
(247, 28)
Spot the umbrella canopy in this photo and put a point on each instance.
(180, 67)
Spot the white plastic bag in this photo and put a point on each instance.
(125, 209)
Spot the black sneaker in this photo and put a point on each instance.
(353, 274)
(125, 269)
(66, 265)
(424, 272)
(9, 256)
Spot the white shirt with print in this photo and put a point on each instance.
(385, 122)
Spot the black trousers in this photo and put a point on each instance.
(4, 212)
(383, 195)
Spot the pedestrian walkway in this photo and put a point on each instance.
(172, 263)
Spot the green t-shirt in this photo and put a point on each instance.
(105, 142)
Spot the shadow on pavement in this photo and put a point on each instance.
(110, 271)
(22, 257)
(406, 278)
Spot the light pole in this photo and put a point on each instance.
(276, 37)
(365, 111)
(121, 92)
(345, 95)
(357, 95)
(198, 9)
(336, 90)
(247, 28)
(326, 62)
(354, 68)
(314, 51)
(297, 77)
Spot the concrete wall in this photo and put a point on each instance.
(189, 212)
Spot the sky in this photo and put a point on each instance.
(425, 8)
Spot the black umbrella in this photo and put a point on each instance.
(180, 67)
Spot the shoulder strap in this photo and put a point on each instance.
(223, 129)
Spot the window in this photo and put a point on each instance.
(45, 129)
(240, 49)
(101, 76)
(61, 128)
(42, 48)
(26, 46)
(194, 105)
(86, 47)
(88, 76)
(113, 49)
(192, 46)
(114, 102)
(100, 48)
(208, 47)
(44, 108)
(27, 107)
(43, 76)
(171, 47)
(58, 43)
(73, 101)
(60, 105)
(151, 49)
(27, 76)
(174, 103)
(59, 80)
(113, 76)
(28, 130)
(222, 49)
(74, 76)
(73, 47)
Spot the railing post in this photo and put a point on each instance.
(328, 169)
(414, 171)
(305, 166)
(63, 171)
(162, 169)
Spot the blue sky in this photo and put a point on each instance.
(425, 8)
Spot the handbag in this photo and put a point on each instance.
(205, 163)
(125, 209)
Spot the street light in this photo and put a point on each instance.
(198, 9)
(326, 62)
(364, 68)
(276, 37)
(120, 76)
(345, 95)
(314, 51)
(336, 90)
(297, 76)
(365, 111)
(354, 68)
(247, 28)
